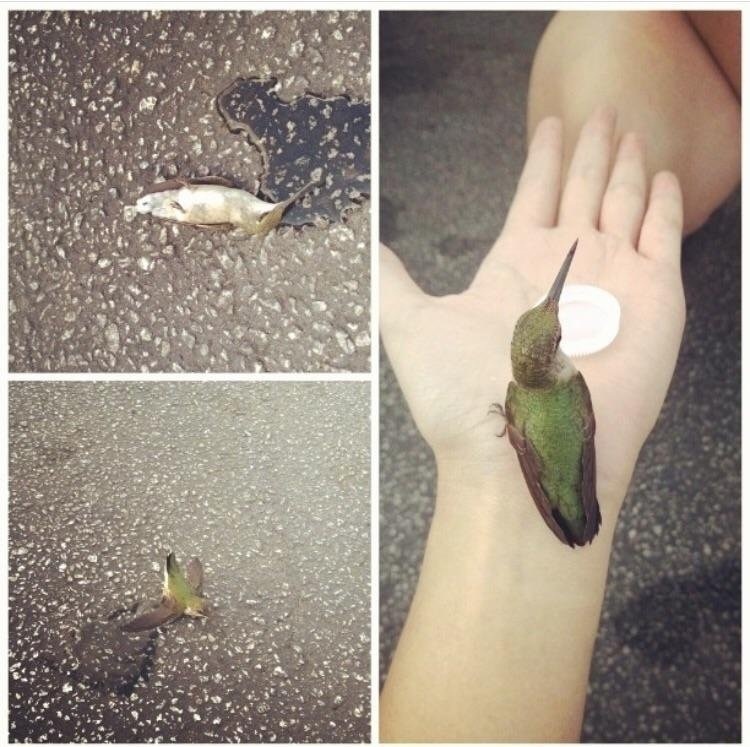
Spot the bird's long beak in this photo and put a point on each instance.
(553, 297)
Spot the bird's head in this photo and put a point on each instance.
(536, 337)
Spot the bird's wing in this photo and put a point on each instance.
(211, 180)
(179, 182)
(588, 472)
(529, 461)
(194, 575)
(164, 613)
(165, 186)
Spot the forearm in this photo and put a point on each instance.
(498, 641)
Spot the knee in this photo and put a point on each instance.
(654, 68)
(595, 57)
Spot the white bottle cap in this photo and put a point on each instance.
(590, 319)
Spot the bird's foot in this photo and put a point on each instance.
(497, 409)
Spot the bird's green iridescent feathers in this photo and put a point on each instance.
(552, 431)
(181, 595)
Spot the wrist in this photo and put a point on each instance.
(487, 517)
(495, 487)
(475, 477)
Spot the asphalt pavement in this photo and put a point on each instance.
(267, 483)
(667, 662)
(104, 104)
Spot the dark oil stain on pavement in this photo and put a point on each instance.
(300, 139)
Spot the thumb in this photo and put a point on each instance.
(399, 294)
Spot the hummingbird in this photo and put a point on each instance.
(181, 596)
(213, 201)
(550, 422)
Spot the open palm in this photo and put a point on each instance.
(451, 354)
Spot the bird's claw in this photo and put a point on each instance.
(497, 409)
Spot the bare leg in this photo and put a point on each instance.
(658, 70)
(720, 32)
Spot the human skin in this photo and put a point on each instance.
(674, 77)
(498, 641)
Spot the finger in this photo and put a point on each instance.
(398, 292)
(587, 176)
(661, 234)
(538, 191)
(624, 201)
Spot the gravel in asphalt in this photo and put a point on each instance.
(104, 104)
(268, 484)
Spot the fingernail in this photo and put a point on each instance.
(665, 180)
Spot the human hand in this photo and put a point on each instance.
(451, 354)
